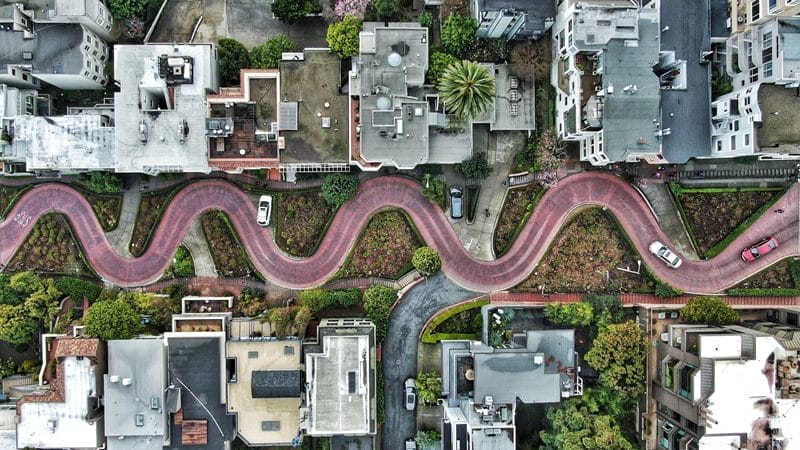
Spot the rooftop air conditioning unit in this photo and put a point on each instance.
(741, 19)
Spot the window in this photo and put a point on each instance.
(755, 10)
(747, 139)
(773, 6)
(733, 147)
(791, 318)
(719, 145)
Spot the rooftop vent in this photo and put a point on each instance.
(27, 55)
(395, 59)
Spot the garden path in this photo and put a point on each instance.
(554, 209)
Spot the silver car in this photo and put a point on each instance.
(665, 254)
(410, 394)
(264, 210)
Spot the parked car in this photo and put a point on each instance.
(411, 393)
(760, 249)
(411, 444)
(456, 201)
(264, 210)
(665, 254)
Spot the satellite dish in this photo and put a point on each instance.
(394, 59)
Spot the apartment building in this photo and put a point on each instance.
(746, 14)
(513, 19)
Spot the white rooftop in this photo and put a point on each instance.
(62, 424)
(77, 142)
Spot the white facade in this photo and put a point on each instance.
(17, 102)
(733, 118)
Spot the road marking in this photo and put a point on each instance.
(22, 218)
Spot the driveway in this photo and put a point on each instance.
(248, 21)
(400, 350)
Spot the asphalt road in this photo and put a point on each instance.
(400, 350)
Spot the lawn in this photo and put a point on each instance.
(586, 249)
(518, 206)
(50, 248)
(226, 249)
(151, 207)
(715, 216)
(302, 219)
(106, 208)
(384, 248)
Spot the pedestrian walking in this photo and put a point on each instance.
(779, 210)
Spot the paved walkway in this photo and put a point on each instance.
(575, 191)
(664, 206)
(120, 237)
(195, 241)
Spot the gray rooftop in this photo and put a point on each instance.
(537, 12)
(276, 383)
(136, 68)
(628, 117)
(55, 49)
(719, 17)
(144, 363)
(514, 99)
(65, 143)
(688, 36)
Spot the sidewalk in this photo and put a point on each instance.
(195, 241)
(667, 215)
(120, 237)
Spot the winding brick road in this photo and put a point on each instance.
(393, 192)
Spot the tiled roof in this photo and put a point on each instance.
(77, 347)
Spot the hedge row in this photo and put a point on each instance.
(771, 292)
(430, 337)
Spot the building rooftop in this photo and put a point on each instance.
(54, 49)
(77, 142)
(316, 112)
(135, 412)
(265, 395)
(160, 110)
(537, 12)
(780, 119)
(514, 99)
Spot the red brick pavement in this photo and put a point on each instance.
(554, 209)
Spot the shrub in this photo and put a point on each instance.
(101, 182)
(378, 301)
(345, 298)
(573, 314)
(426, 261)
(78, 289)
(290, 11)
(429, 387)
(112, 319)
(338, 188)
(268, 54)
(665, 290)
(457, 33)
(316, 299)
(434, 190)
(440, 61)
(709, 310)
(476, 167)
(425, 19)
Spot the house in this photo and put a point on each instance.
(482, 384)
(745, 15)
(728, 387)
(513, 19)
(62, 43)
(340, 379)
(160, 110)
(67, 412)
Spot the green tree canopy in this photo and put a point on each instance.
(573, 314)
(337, 188)
(425, 19)
(290, 11)
(17, 327)
(102, 182)
(122, 9)
(159, 309)
(439, 63)
(113, 319)
(467, 89)
(385, 9)
(457, 33)
(342, 36)
(280, 319)
(426, 261)
(315, 299)
(619, 353)
(78, 289)
(233, 56)
(428, 439)
(268, 54)
(476, 168)
(710, 311)
(378, 301)
(578, 425)
(429, 387)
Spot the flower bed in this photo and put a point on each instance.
(107, 209)
(301, 222)
(459, 322)
(151, 207)
(9, 196)
(586, 251)
(50, 247)
(782, 278)
(518, 207)
(384, 249)
(229, 256)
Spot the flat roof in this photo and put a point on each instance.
(60, 424)
(537, 12)
(514, 98)
(65, 142)
(55, 49)
(493, 439)
(780, 119)
(134, 392)
(263, 421)
(138, 65)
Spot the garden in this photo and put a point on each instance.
(182, 265)
(151, 207)
(384, 249)
(301, 221)
(106, 207)
(517, 208)
(782, 278)
(229, 255)
(9, 196)
(716, 216)
(463, 321)
(585, 257)
(50, 247)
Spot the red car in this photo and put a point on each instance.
(758, 250)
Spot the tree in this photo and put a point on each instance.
(426, 261)
(290, 11)
(476, 168)
(301, 319)
(8, 295)
(457, 33)
(102, 182)
(547, 149)
(427, 440)
(579, 425)
(378, 301)
(337, 188)
(280, 318)
(467, 89)
(268, 54)
(233, 57)
(573, 314)
(440, 62)
(619, 353)
(112, 319)
(429, 387)
(78, 289)
(342, 36)
(386, 9)
(160, 309)
(345, 298)
(710, 311)
(122, 9)
(17, 327)
(350, 8)
(315, 299)
(425, 19)
(434, 190)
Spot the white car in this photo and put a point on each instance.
(665, 254)
(410, 393)
(264, 210)
(411, 444)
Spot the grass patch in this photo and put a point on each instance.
(590, 246)
(517, 208)
(301, 221)
(715, 217)
(384, 249)
(50, 248)
(458, 322)
(151, 208)
(9, 195)
(229, 256)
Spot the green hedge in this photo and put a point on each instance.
(430, 337)
(771, 292)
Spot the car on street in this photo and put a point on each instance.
(665, 254)
(411, 444)
(760, 249)
(410, 393)
(456, 201)
(264, 210)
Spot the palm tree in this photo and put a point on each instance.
(467, 89)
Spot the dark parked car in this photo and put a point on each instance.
(456, 202)
(760, 249)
